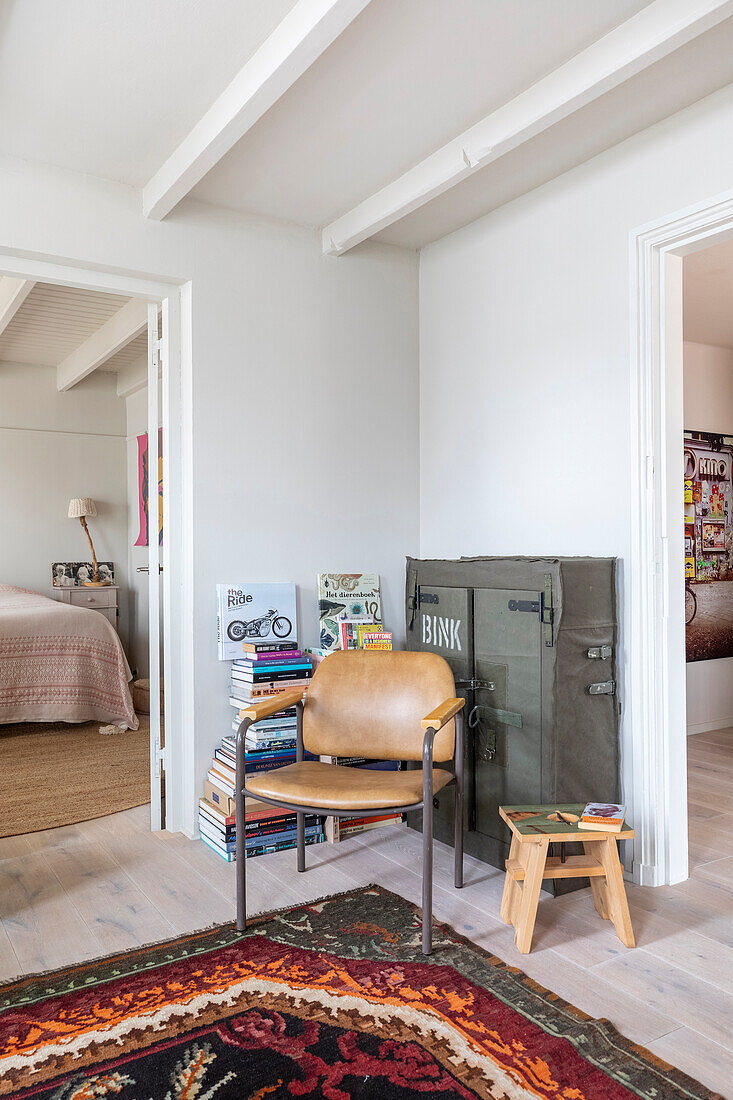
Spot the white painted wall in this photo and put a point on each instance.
(525, 359)
(54, 446)
(293, 353)
(708, 390)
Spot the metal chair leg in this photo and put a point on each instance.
(300, 826)
(427, 844)
(458, 818)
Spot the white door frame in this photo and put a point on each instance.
(177, 576)
(655, 669)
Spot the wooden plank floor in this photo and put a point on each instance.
(110, 884)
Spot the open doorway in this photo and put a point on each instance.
(708, 509)
(656, 596)
(75, 361)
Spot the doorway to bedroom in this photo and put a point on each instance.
(83, 616)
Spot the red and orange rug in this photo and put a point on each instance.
(331, 999)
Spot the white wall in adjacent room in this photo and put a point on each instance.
(708, 389)
(54, 446)
(297, 358)
(525, 319)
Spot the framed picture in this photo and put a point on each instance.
(73, 574)
(713, 536)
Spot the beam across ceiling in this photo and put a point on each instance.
(13, 292)
(653, 33)
(115, 334)
(132, 377)
(308, 29)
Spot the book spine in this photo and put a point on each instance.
(281, 847)
(274, 743)
(271, 658)
(272, 676)
(267, 765)
(269, 647)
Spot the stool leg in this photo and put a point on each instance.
(597, 885)
(511, 886)
(534, 867)
(618, 906)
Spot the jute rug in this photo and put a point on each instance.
(331, 999)
(57, 774)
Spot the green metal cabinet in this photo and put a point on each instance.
(532, 645)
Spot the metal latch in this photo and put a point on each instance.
(600, 652)
(474, 685)
(486, 751)
(524, 605)
(608, 687)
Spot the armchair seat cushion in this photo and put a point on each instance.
(311, 783)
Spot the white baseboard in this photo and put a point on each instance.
(708, 727)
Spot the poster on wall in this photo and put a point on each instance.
(708, 518)
(143, 464)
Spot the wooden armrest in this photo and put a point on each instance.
(272, 705)
(442, 714)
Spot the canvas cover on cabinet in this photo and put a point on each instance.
(517, 634)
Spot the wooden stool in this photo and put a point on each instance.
(528, 864)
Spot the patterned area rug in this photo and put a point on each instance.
(331, 999)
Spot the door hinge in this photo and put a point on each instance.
(547, 612)
(607, 687)
(600, 652)
(160, 757)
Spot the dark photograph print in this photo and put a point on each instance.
(62, 574)
(73, 574)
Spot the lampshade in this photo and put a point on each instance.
(82, 506)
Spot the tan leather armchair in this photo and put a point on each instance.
(380, 705)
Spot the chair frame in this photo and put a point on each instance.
(452, 709)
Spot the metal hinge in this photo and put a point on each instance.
(608, 687)
(547, 612)
(159, 757)
(600, 652)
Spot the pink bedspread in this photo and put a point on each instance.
(59, 663)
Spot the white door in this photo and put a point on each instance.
(157, 777)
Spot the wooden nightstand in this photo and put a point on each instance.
(104, 600)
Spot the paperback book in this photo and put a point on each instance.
(606, 817)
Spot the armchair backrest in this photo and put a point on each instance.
(371, 703)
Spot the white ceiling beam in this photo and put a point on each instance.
(13, 292)
(113, 335)
(653, 33)
(132, 377)
(306, 32)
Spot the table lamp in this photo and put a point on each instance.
(80, 508)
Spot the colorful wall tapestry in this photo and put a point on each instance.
(142, 486)
(708, 496)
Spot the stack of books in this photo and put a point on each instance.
(266, 670)
(266, 828)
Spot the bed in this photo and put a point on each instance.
(60, 663)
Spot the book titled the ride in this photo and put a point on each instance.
(606, 817)
(255, 614)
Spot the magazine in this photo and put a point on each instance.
(265, 612)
